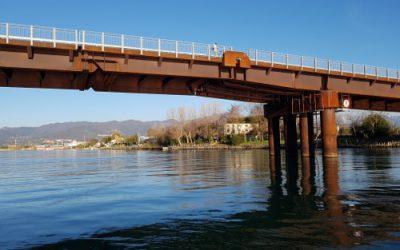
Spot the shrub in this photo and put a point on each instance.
(131, 140)
(374, 126)
(234, 140)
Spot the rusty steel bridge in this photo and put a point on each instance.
(290, 86)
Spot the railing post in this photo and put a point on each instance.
(365, 70)
(329, 66)
(54, 37)
(209, 52)
(352, 68)
(159, 47)
(7, 32)
(287, 61)
(315, 64)
(376, 72)
(341, 68)
(83, 39)
(192, 50)
(272, 59)
(256, 56)
(302, 62)
(122, 43)
(31, 34)
(141, 45)
(176, 49)
(398, 76)
(387, 73)
(76, 39)
(102, 41)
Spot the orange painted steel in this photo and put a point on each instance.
(274, 140)
(235, 77)
(304, 137)
(329, 133)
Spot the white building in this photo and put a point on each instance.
(237, 128)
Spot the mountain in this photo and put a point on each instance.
(75, 130)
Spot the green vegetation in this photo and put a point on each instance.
(115, 140)
(374, 126)
(131, 140)
(192, 127)
(373, 130)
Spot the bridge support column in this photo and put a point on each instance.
(304, 136)
(290, 135)
(311, 141)
(329, 133)
(274, 139)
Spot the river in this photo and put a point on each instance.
(198, 199)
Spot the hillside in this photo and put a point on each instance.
(75, 130)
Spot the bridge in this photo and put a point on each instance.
(290, 86)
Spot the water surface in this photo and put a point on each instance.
(197, 199)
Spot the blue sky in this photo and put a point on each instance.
(360, 31)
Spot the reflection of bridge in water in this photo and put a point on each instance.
(302, 206)
(291, 86)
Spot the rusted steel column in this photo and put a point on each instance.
(274, 140)
(271, 145)
(290, 135)
(329, 133)
(304, 137)
(311, 142)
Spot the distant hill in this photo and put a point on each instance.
(75, 130)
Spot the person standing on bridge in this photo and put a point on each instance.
(215, 49)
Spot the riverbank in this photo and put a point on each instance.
(349, 142)
(204, 146)
(343, 142)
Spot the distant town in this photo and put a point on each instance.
(211, 127)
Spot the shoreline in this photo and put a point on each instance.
(376, 145)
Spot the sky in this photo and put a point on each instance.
(359, 31)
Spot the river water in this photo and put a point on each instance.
(198, 199)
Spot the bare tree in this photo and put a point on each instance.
(258, 120)
(191, 124)
(234, 114)
(174, 130)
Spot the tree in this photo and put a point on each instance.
(372, 126)
(117, 137)
(234, 114)
(106, 139)
(260, 124)
(174, 130)
(161, 135)
(191, 125)
(91, 142)
(131, 140)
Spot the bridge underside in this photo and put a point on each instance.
(287, 91)
(133, 71)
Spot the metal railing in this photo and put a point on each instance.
(105, 40)
(313, 63)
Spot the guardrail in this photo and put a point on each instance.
(105, 40)
(315, 64)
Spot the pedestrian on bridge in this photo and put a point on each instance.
(215, 49)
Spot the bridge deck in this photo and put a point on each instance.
(37, 62)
